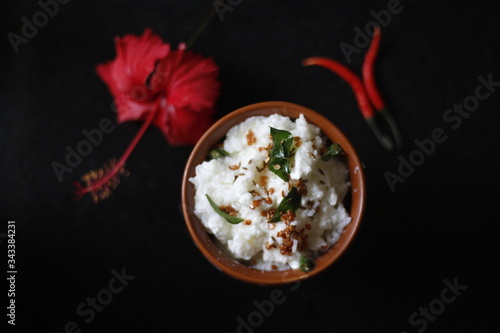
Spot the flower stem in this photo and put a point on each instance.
(102, 182)
(202, 26)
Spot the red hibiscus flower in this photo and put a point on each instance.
(174, 90)
(180, 87)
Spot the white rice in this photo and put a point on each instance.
(321, 208)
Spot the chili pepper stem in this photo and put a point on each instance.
(374, 94)
(382, 139)
(394, 127)
(360, 93)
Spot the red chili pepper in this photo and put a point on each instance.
(352, 79)
(366, 91)
(359, 91)
(368, 72)
(372, 89)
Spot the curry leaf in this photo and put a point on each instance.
(306, 264)
(290, 202)
(280, 167)
(280, 153)
(334, 150)
(217, 153)
(283, 138)
(226, 216)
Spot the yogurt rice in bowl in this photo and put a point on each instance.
(264, 190)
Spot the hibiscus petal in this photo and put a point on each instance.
(127, 74)
(131, 110)
(190, 80)
(137, 58)
(181, 126)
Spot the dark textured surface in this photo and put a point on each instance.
(439, 224)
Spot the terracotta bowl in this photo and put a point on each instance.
(202, 239)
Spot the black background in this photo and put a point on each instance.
(439, 224)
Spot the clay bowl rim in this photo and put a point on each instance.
(202, 239)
